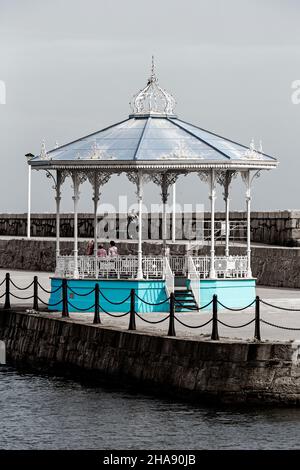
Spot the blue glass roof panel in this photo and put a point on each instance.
(153, 139)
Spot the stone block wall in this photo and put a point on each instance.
(272, 266)
(223, 371)
(275, 228)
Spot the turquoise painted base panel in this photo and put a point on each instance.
(152, 291)
(233, 293)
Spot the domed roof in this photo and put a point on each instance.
(153, 134)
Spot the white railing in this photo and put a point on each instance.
(120, 267)
(194, 278)
(202, 265)
(153, 267)
(124, 267)
(233, 266)
(168, 277)
(178, 265)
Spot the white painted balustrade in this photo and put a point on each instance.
(118, 267)
(168, 276)
(154, 267)
(194, 278)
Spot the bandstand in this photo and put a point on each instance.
(153, 144)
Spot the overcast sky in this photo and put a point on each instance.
(71, 67)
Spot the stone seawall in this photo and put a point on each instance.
(276, 227)
(272, 266)
(224, 371)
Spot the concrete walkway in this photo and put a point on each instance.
(288, 298)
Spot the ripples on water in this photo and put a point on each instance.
(41, 412)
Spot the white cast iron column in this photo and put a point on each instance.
(29, 201)
(248, 205)
(174, 214)
(164, 224)
(76, 196)
(58, 199)
(164, 196)
(212, 197)
(140, 201)
(227, 228)
(96, 200)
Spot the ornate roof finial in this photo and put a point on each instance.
(44, 155)
(153, 77)
(253, 154)
(153, 100)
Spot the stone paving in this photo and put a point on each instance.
(288, 298)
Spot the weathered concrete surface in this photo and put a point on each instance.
(272, 266)
(271, 227)
(217, 371)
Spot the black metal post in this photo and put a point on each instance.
(7, 292)
(65, 309)
(215, 333)
(35, 294)
(257, 319)
(171, 331)
(97, 306)
(132, 325)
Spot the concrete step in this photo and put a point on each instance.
(186, 300)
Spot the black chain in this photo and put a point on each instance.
(49, 291)
(236, 326)
(114, 303)
(49, 305)
(207, 305)
(278, 326)
(81, 309)
(80, 295)
(152, 322)
(21, 288)
(1, 283)
(177, 302)
(280, 308)
(112, 315)
(2, 295)
(148, 303)
(193, 326)
(236, 309)
(21, 298)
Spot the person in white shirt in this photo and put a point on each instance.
(112, 250)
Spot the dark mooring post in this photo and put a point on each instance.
(132, 325)
(65, 309)
(257, 319)
(97, 306)
(171, 331)
(7, 291)
(35, 294)
(215, 333)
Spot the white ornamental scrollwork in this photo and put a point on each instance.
(153, 99)
(61, 175)
(181, 152)
(252, 154)
(95, 153)
(98, 177)
(138, 178)
(44, 155)
(164, 180)
(224, 178)
(205, 175)
(78, 178)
